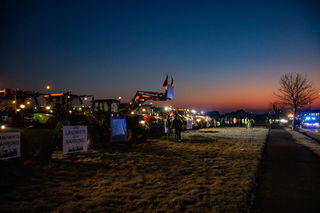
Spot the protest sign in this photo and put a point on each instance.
(10, 146)
(75, 139)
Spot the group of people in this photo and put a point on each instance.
(248, 122)
(174, 124)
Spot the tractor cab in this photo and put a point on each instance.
(104, 109)
(20, 108)
(65, 105)
(106, 106)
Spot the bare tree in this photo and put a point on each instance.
(277, 108)
(295, 92)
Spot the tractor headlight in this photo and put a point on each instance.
(3, 127)
(142, 122)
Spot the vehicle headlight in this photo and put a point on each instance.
(3, 126)
(142, 122)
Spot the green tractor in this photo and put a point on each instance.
(70, 110)
(20, 111)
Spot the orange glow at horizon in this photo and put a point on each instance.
(227, 95)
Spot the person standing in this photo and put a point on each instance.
(270, 123)
(177, 127)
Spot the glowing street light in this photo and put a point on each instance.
(48, 87)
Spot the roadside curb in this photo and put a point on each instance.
(252, 191)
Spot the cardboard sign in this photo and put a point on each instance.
(189, 124)
(75, 139)
(10, 145)
(118, 128)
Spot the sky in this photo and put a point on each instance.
(223, 55)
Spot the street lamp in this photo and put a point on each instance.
(48, 87)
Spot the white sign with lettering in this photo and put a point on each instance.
(10, 146)
(189, 124)
(75, 139)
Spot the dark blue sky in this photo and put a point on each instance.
(222, 54)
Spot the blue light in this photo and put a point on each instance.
(307, 118)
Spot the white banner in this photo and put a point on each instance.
(165, 125)
(10, 146)
(75, 139)
(189, 124)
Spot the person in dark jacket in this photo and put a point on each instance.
(177, 127)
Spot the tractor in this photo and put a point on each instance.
(139, 119)
(20, 111)
(70, 110)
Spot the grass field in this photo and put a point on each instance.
(211, 170)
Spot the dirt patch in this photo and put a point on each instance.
(203, 173)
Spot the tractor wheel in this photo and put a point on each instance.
(130, 135)
(43, 151)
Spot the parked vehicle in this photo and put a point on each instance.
(20, 112)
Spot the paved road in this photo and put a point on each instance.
(289, 179)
